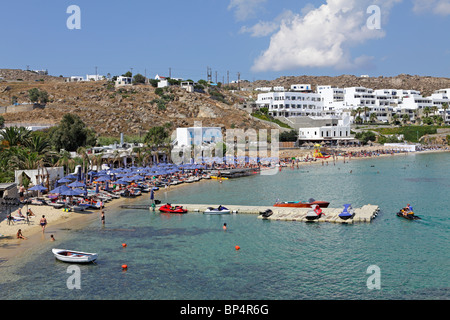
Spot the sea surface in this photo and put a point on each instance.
(190, 256)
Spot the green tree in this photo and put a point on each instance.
(138, 78)
(289, 136)
(36, 95)
(72, 133)
(33, 95)
(156, 136)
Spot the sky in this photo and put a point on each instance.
(259, 39)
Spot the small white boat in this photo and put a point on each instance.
(74, 256)
(219, 210)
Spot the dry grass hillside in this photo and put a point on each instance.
(131, 110)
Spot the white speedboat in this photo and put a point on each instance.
(218, 210)
(74, 256)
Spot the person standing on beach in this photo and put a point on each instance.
(103, 218)
(43, 223)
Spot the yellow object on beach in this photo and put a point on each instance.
(218, 178)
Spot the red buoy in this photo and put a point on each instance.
(124, 267)
(237, 247)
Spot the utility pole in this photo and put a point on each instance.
(209, 74)
(170, 73)
(216, 77)
(96, 73)
(228, 77)
(239, 80)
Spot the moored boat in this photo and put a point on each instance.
(347, 213)
(219, 210)
(314, 214)
(168, 208)
(74, 256)
(302, 204)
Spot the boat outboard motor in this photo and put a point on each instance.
(266, 213)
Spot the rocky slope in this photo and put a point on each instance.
(131, 110)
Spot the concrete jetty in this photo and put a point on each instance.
(364, 214)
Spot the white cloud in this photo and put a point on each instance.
(439, 7)
(245, 9)
(265, 28)
(322, 37)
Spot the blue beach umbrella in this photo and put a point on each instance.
(76, 184)
(64, 180)
(38, 187)
(60, 189)
(71, 192)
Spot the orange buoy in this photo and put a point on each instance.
(124, 245)
(124, 267)
(237, 247)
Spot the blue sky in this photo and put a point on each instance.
(261, 39)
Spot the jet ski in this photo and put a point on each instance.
(168, 208)
(407, 214)
(266, 213)
(314, 214)
(347, 213)
(219, 210)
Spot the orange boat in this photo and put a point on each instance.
(302, 204)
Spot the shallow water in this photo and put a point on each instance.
(190, 256)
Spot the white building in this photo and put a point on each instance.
(123, 81)
(197, 136)
(301, 87)
(332, 97)
(264, 89)
(333, 133)
(187, 85)
(94, 77)
(74, 79)
(291, 104)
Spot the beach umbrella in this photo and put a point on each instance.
(60, 189)
(76, 184)
(121, 181)
(71, 192)
(103, 178)
(63, 180)
(38, 187)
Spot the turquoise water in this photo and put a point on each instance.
(190, 256)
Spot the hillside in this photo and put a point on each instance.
(426, 85)
(129, 110)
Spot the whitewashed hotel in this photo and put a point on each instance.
(291, 104)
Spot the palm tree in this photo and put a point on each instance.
(445, 108)
(366, 110)
(15, 136)
(373, 117)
